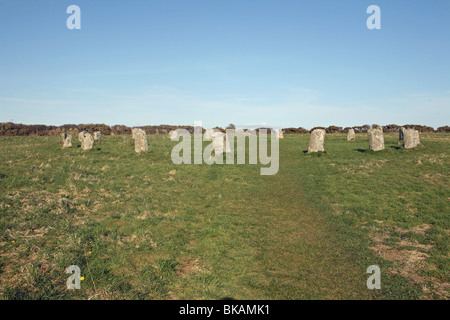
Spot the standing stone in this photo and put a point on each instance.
(351, 135)
(67, 140)
(173, 134)
(140, 141)
(208, 134)
(411, 138)
(316, 140)
(376, 139)
(133, 132)
(227, 143)
(401, 135)
(98, 135)
(87, 141)
(220, 143)
(80, 135)
(251, 131)
(279, 134)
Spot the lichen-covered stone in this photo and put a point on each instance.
(140, 141)
(208, 134)
(133, 132)
(87, 141)
(351, 135)
(376, 139)
(411, 138)
(98, 135)
(67, 140)
(279, 134)
(220, 143)
(316, 141)
(173, 134)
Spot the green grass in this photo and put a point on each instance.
(156, 230)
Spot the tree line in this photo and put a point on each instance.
(18, 129)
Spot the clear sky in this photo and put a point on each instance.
(284, 63)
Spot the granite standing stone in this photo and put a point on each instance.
(279, 134)
(220, 143)
(173, 134)
(351, 135)
(140, 141)
(67, 140)
(376, 139)
(98, 135)
(401, 134)
(87, 141)
(133, 132)
(411, 138)
(316, 141)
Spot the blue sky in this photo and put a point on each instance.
(248, 62)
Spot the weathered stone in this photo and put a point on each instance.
(351, 135)
(251, 131)
(220, 143)
(87, 141)
(209, 133)
(376, 139)
(133, 132)
(140, 141)
(98, 135)
(80, 135)
(411, 138)
(401, 134)
(67, 140)
(173, 134)
(279, 134)
(227, 143)
(316, 140)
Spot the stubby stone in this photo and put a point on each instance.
(279, 134)
(220, 143)
(98, 135)
(80, 135)
(351, 135)
(411, 138)
(140, 141)
(376, 139)
(87, 141)
(208, 134)
(67, 140)
(316, 140)
(173, 134)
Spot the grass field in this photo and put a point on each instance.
(140, 227)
